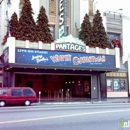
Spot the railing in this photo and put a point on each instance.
(40, 45)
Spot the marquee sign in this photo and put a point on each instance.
(63, 59)
(70, 47)
(62, 18)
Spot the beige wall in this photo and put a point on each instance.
(117, 94)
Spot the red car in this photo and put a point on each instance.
(17, 95)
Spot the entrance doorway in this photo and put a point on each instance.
(29, 84)
(77, 85)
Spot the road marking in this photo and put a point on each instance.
(61, 116)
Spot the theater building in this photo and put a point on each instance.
(84, 76)
(65, 64)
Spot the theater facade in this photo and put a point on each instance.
(65, 64)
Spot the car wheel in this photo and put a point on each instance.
(27, 103)
(2, 103)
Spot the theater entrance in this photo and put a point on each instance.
(55, 85)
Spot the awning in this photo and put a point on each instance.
(31, 66)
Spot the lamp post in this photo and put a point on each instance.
(8, 24)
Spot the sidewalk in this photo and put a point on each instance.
(75, 100)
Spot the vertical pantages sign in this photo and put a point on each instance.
(62, 18)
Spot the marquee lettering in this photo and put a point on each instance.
(39, 58)
(59, 58)
(70, 47)
(88, 59)
(61, 19)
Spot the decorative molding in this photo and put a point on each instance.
(52, 7)
(114, 26)
(40, 45)
(70, 39)
(114, 30)
(117, 22)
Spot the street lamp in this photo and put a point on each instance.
(8, 25)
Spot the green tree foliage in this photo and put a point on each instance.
(13, 28)
(43, 30)
(14, 24)
(27, 25)
(100, 38)
(86, 31)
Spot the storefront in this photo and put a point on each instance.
(66, 64)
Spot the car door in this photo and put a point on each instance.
(16, 96)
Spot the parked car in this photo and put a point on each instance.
(17, 95)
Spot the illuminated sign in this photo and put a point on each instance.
(70, 47)
(63, 59)
(62, 18)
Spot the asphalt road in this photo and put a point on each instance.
(78, 116)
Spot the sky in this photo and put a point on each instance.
(114, 5)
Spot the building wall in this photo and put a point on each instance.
(125, 32)
(126, 37)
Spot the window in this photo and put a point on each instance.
(16, 92)
(123, 84)
(116, 84)
(27, 92)
(3, 91)
(52, 29)
(109, 85)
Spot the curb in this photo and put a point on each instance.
(80, 102)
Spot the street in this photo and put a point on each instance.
(75, 116)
